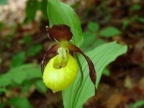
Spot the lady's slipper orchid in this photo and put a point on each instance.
(62, 69)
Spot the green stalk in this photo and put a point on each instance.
(82, 77)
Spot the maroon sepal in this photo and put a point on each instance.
(59, 32)
(92, 72)
(49, 51)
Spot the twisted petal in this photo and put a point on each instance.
(59, 32)
(49, 51)
(92, 72)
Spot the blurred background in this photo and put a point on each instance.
(24, 41)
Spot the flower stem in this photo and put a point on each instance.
(80, 67)
(81, 80)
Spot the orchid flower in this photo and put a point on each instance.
(61, 70)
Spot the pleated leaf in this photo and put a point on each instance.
(82, 88)
(60, 13)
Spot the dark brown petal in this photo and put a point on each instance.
(49, 51)
(59, 32)
(92, 72)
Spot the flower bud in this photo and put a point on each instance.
(58, 75)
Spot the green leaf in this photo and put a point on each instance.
(20, 73)
(2, 90)
(40, 86)
(60, 13)
(43, 6)
(92, 26)
(1, 60)
(2, 105)
(98, 42)
(125, 24)
(138, 104)
(19, 76)
(79, 92)
(27, 39)
(33, 50)
(1, 26)
(26, 86)
(141, 19)
(106, 72)
(34, 73)
(29, 71)
(19, 102)
(4, 82)
(31, 8)
(136, 7)
(109, 32)
(18, 59)
(3, 2)
(134, 18)
(89, 38)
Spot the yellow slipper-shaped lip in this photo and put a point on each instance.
(59, 78)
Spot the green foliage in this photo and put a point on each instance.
(93, 27)
(40, 86)
(91, 39)
(135, 7)
(33, 6)
(0, 60)
(135, 18)
(35, 49)
(141, 19)
(137, 104)
(1, 26)
(18, 59)
(3, 2)
(27, 39)
(43, 5)
(19, 102)
(81, 90)
(26, 86)
(106, 72)
(5, 81)
(60, 13)
(91, 36)
(110, 32)
(23, 77)
(26, 71)
(129, 21)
